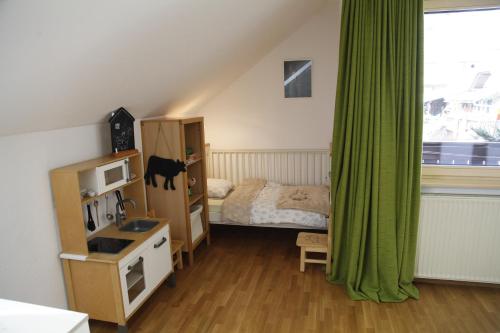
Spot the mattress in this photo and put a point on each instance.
(264, 212)
(215, 210)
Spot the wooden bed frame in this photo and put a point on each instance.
(270, 225)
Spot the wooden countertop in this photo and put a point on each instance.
(113, 232)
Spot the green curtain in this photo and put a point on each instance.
(377, 148)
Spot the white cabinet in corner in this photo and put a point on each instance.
(143, 269)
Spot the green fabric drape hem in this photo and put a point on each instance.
(377, 147)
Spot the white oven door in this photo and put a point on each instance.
(133, 283)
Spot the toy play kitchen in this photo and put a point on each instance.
(113, 256)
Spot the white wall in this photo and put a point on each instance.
(252, 112)
(30, 269)
(67, 63)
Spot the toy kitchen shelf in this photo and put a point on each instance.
(106, 284)
(66, 189)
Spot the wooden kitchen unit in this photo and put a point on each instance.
(110, 286)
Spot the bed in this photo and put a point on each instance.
(293, 167)
(264, 211)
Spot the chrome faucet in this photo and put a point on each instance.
(120, 216)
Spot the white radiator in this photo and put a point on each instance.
(459, 238)
(290, 167)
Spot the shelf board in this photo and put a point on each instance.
(90, 199)
(200, 238)
(91, 164)
(195, 198)
(192, 162)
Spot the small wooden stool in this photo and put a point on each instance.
(177, 253)
(311, 242)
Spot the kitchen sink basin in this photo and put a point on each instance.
(139, 226)
(108, 245)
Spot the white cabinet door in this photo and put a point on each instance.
(133, 281)
(143, 269)
(159, 262)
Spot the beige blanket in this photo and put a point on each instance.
(314, 199)
(237, 207)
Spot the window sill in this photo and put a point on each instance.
(487, 177)
(448, 5)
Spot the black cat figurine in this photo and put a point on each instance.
(164, 167)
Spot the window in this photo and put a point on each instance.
(462, 88)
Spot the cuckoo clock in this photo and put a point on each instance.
(122, 131)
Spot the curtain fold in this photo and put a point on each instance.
(377, 148)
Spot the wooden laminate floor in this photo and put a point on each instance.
(248, 280)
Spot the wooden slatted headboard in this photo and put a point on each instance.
(289, 167)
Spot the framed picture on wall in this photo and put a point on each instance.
(297, 78)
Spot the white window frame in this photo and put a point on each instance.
(481, 177)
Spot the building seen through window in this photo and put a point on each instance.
(462, 88)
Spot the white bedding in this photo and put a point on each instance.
(265, 213)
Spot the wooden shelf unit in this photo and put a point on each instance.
(195, 198)
(169, 138)
(66, 189)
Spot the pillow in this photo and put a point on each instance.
(218, 188)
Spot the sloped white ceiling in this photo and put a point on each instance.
(69, 63)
